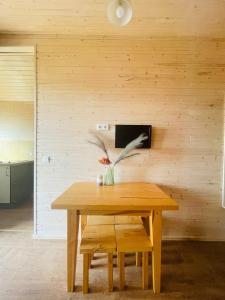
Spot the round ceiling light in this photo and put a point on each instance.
(119, 12)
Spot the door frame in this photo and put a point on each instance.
(31, 50)
(35, 143)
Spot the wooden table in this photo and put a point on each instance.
(125, 198)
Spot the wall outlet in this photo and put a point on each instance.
(46, 159)
(102, 127)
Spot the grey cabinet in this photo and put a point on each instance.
(16, 183)
(5, 184)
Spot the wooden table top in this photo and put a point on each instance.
(122, 197)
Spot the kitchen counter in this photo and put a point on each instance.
(13, 163)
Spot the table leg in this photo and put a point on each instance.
(156, 239)
(72, 237)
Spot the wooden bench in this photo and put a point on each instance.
(100, 220)
(110, 220)
(100, 239)
(132, 238)
(109, 234)
(123, 220)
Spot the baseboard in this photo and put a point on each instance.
(41, 236)
(193, 238)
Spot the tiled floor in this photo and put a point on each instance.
(36, 270)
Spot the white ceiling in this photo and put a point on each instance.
(88, 17)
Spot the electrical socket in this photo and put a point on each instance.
(102, 127)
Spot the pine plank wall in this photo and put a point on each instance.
(175, 84)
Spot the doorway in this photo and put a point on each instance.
(17, 138)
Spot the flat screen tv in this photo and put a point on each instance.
(126, 133)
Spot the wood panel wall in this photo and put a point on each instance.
(89, 17)
(175, 84)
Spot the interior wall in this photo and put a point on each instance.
(174, 84)
(16, 131)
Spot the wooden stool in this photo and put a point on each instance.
(125, 220)
(110, 220)
(97, 239)
(117, 220)
(100, 220)
(132, 238)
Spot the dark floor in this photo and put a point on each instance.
(19, 218)
(36, 270)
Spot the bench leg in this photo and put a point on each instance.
(145, 221)
(138, 259)
(144, 270)
(117, 259)
(90, 256)
(85, 273)
(110, 272)
(121, 270)
(83, 223)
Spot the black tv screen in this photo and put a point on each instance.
(126, 133)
